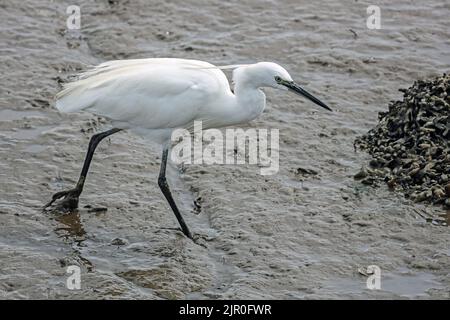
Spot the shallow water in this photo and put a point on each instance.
(29, 133)
(401, 284)
(8, 115)
(290, 235)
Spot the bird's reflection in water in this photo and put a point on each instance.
(71, 227)
(71, 230)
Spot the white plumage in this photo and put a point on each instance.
(149, 94)
(153, 97)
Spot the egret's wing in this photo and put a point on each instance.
(129, 63)
(152, 93)
(95, 75)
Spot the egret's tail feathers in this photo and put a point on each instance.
(73, 97)
(80, 94)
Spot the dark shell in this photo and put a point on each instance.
(412, 141)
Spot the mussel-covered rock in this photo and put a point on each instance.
(411, 141)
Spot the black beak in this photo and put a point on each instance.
(292, 86)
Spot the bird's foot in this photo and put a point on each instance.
(69, 201)
(196, 238)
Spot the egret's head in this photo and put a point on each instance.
(269, 74)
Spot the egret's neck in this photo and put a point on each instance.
(250, 100)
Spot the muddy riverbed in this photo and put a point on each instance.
(308, 232)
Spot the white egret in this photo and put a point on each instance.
(153, 97)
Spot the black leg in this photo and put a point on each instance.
(71, 196)
(162, 182)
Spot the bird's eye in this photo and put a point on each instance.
(278, 79)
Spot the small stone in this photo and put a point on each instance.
(361, 174)
(447, 203)
(392, 183)
(413, 172)
(375, 163)
(447, 189)
(425, 195)
(306, 171)
(424, 145)
(368, 181)
(119, 242)
(439, 193)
